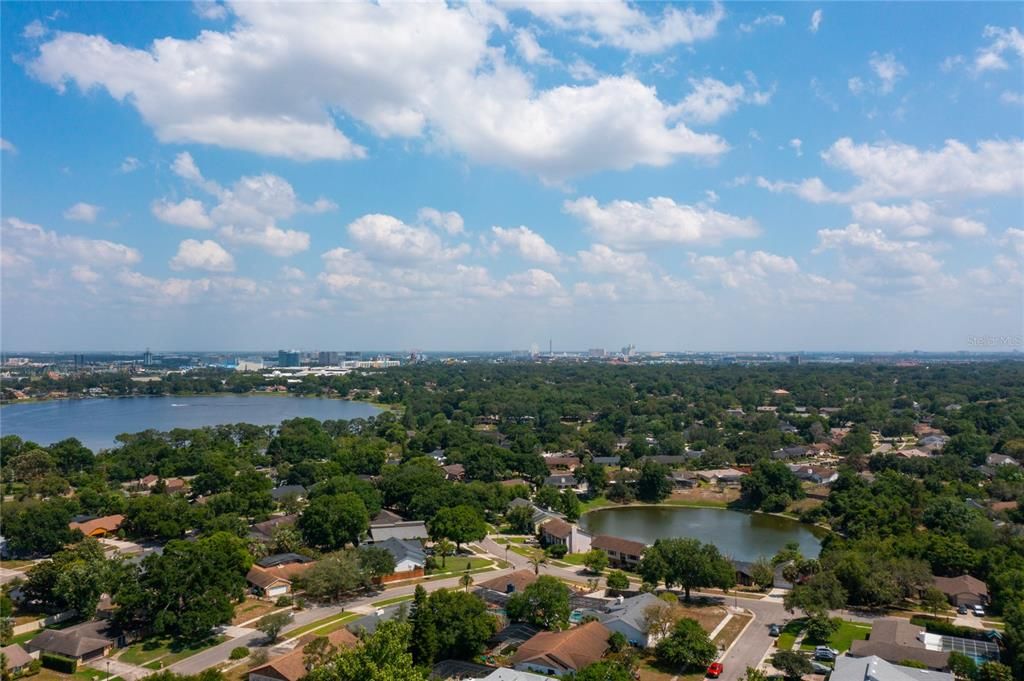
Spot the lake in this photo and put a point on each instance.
(741, 536)
(97, 421)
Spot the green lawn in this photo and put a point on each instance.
(789, 634)
(455, 564)
(573, 558)
(392, 601)
(151, 652)
(844, 637)
(321, 625)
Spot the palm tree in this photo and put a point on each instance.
(445, 548)
(466, 580)
(537, 560)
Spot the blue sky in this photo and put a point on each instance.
(486, 176)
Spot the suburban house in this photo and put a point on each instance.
(540, 516)
(624, 553)
(386, 517)
(455, 471)
(796, 452)
(297, 492)
(1001, 460)
(16, 657)
(744, 573)
(963, 590)
(99, 527)
(629, 618)
(175, 485)
(514, 482)
(815, 474)
(557, 531)
(933, 442)
(410, 559)
(607, 460)
(723, 476)
(81, 642)
(912, 453)
(895, 640)
(272, 577)
(505, 674)
(147, 483)
(508, 584)
(264, 531)
(683, 479)
(405, 529)
(562, 652)
(565, 481)
(563, 463)
(291, 666)
(874, 668)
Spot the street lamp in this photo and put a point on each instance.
(108, 670)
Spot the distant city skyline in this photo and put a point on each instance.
(706, 177)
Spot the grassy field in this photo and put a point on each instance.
(83, 674)
(252, 608)
(456, 564)
(843, 638)
(392, 601)
(164, 650)
(320, 626)
(731, 630)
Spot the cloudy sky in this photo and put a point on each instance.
(486, 176)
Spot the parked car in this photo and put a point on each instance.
(819, 668)
(962, 610)
(774, 630)
(825, 653)
(979, 611)
(715, 670)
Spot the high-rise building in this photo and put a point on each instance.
(328, 358)
(147, 358)
(288, 358)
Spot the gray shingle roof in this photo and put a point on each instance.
(632, 611)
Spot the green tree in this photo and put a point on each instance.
(547, 497)
(820, 627)
(687, 647)
(159, 516)
(444, 548)
(763, 573)
(994, 671)
(770, 486)
(687, 563)
(376, 562)
(74, 579)
(188, 589)
(596, 560)
(520, 520)
(449, 625)
(545, 603)
(272, 625)
(384, 656)
(602, 671)
(594, 475)
(617, 580)
(423, 642)
(569, 505)
(460, 524)
(964, 668)
(37, 528)
(330, 522)
(753, 674)
(793, 665)
(933, 600)
(653, 485)
(335, 576)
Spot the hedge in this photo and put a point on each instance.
(59, 663)
(933, 625)
(239, 652)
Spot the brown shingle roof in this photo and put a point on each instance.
(106, 524)
(557, 527)
(520, 579)
(572, 649)
(264, 577)
(960, 585)
(895, 653)
(16, 656)
(626, 546)
(267, 527)
(291, 666)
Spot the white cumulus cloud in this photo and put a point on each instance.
(527, 243)
(185, 213)
(82, 212)
(202, 255)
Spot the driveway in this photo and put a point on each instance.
(128, 672)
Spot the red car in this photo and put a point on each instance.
(715, 670)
